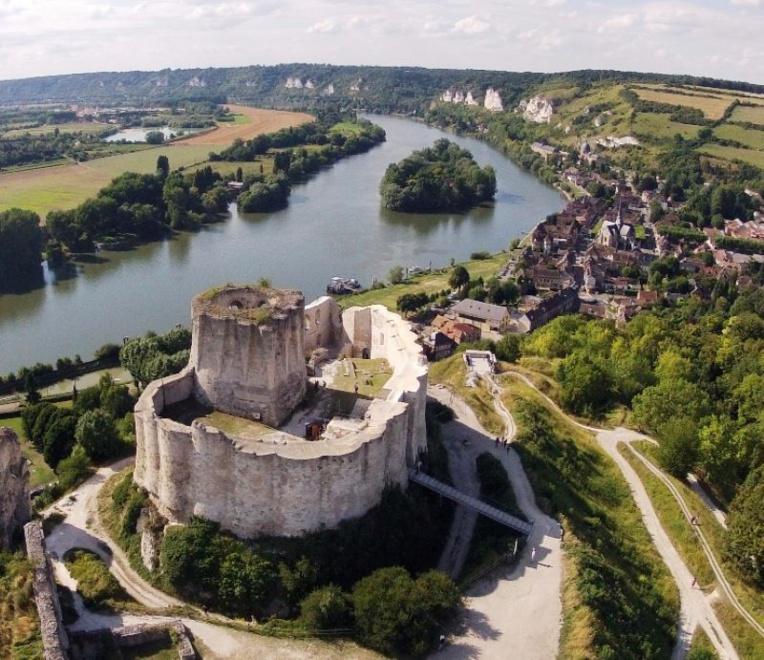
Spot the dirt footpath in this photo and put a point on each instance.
(516, 612)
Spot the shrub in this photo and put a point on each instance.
(74, 469)
(94, 581)
(397, 615)
(327, 608)
(98, 435)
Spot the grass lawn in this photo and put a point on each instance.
(39, 471)
(66, 186)
(748, 114)
(733, 153)
(712, 107)
(452, 372)
(369, 375)
(619, 599)
(225, 167)
(347, 128)
(430, 283)
(751, 138)
(658, 125)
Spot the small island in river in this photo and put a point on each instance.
(443, 177)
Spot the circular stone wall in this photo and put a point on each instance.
(247, 351)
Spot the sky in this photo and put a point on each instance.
(718, 38)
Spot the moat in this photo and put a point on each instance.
(334, 225)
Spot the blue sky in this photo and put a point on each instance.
(720, 38)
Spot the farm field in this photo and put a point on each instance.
(257, 121)
(751, 138)
(72, 127)
(65, 186)
(657, 125)
(711, 107)
(748, 114)
(734, 153)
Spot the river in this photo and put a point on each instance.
(334, 225)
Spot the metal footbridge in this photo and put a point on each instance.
(501, 517)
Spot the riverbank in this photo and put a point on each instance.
(333, 226)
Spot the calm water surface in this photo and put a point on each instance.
(138, 134)
(333, 226)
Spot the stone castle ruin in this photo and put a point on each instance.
(15, 507)
(247, 437)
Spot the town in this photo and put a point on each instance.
(598, 257)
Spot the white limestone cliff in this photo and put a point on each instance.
(328, 90)
(470, 100)
(293, 83)
(493, 101)
(537, 109)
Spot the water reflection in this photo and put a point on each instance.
(334, 225)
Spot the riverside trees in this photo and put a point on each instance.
(444, 177)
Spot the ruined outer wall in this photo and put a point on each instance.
(256, 489)
(323, 324)
(386, 335)
(54, 639)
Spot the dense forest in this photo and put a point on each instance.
(444, 177)
(385, 89)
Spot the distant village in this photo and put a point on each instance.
(593, 258)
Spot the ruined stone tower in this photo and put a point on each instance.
(14, 487)
(247, 351)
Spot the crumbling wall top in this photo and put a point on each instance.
(247, 303)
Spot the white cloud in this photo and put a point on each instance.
(324, 26)
(471, 25)
(703, 37)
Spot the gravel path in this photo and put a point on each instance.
(80, 529)
(517, 612)
(696, 607)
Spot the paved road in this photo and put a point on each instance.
(517, 612)
(696, 607)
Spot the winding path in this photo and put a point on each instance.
(696, 607)
(515, 612)
(81, 529)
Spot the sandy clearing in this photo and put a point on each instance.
(260, 121)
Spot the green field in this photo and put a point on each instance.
(733, 153)
(751, 138)
(748, 114)
(711, 107)
(66, 186)
(428, 283)
(72, 127)
(657, 125)
(347, 128)
(229, 167)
